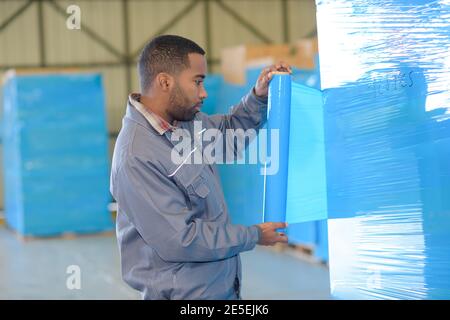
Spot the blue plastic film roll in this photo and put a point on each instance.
(276, 165)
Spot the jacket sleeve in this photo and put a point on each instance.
(156, 206)
(249, 113)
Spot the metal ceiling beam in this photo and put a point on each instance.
(180, 15)
(126, 33)
(91, 33)
(244, 22)
(207, 15)
(64, 65)
(83, 65)
(285, 21)
(41, 34)
(15, 15)
(127, 59)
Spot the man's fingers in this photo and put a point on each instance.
(286, 67)
(267, 72)
(279, 225)
(282, 238)
(282, 66)
(271, 69)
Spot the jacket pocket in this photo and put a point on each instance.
(200, 187)
(213, 199)
(203, 196)
(204, 193)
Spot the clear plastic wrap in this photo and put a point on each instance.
(385, 77)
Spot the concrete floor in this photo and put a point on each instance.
(37, 270)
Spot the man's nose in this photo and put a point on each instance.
(203, 94)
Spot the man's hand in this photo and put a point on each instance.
(262, 84)
(269, 235)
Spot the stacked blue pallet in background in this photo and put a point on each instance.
(56, 168)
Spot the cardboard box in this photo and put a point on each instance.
(235, 60)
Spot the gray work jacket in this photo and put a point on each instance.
(175, 237)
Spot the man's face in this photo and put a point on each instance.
(188, 93)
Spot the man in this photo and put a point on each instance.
(174, 233)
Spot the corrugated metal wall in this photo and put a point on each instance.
(34, 34)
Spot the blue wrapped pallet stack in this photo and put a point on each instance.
(385, 77)
(55, 148)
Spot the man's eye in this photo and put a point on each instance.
(198, 82)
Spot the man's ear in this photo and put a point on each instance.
(164, 81)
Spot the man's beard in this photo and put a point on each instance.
(180, 108)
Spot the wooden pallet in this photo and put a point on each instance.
(304, 252)
(302, 249)
(297, 248)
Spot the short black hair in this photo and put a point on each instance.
(166, 53)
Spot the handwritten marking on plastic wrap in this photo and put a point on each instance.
(393, 81)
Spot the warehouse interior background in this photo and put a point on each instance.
(34, 37)
(392, 236)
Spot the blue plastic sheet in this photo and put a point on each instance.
(243, 185)
(55, 164)
(276, 171)
(307, 186)
(385, 75)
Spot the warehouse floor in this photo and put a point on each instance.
(36, 269)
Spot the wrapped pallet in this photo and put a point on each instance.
(385, 77)
(55, 153)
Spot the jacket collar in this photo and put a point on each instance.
(160, 125)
